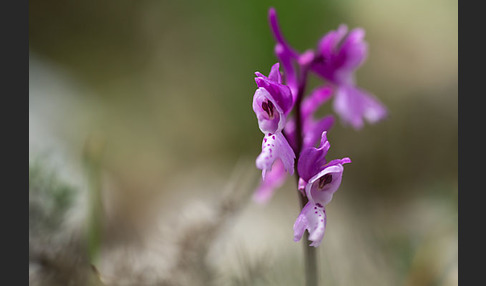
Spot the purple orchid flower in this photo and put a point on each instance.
(337, 57)
(272, 101)
(319, 180)
(312, 130)
(336, 60)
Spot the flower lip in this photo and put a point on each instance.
(313, 219)
(275, 146)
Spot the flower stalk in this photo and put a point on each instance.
(286, 117)
(310, 258)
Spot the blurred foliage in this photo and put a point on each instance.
(175, 78)
(49, 199)
(168, 86)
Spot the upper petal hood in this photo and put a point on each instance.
(321, 187)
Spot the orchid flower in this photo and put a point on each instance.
(319, 180)
(338, 57)
(287, 117)
(272, 102)
(292, 137)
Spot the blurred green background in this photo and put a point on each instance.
(165, 87)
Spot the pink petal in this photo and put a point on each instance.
(275, 146)
(313, 219)
(273, 180)
(354, 104)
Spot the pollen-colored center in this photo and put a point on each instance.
(324, 180)
(269, 108)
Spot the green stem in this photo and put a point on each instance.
(309, 254)
(93, 151)
(309, 251)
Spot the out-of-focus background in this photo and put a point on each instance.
(142, 144)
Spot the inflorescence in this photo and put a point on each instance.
(291, 138)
